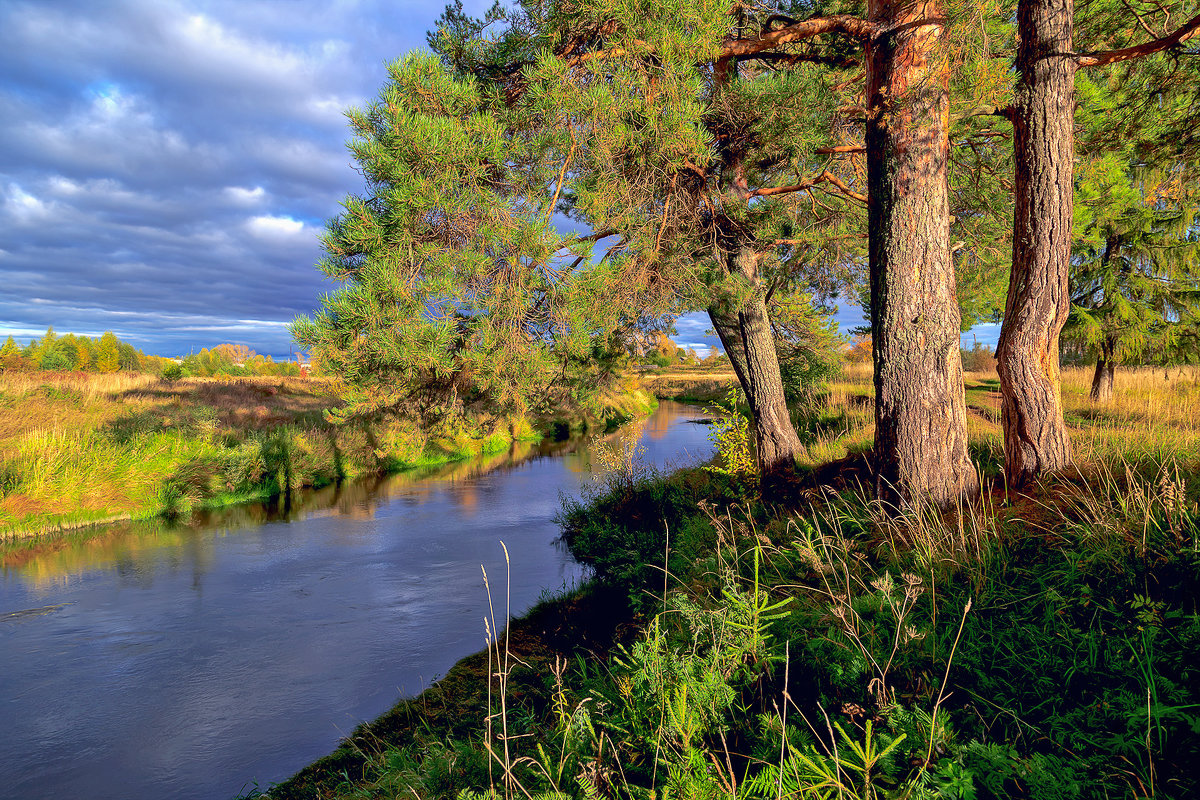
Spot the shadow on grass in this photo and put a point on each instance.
(255, 405)
(1100, 417)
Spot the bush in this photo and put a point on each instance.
(622, 532)
(980, 358)
(659, 360)
(172, 372)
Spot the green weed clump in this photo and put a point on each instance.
(1037, 645)
(991, 652)
(628, 532)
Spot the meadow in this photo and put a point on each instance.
(78, 448)
(1035, 644)
(83, 449)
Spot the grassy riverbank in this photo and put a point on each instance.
(78, 449)
(1039, 645)
(690, 383)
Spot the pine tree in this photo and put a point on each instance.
(1136, 288)
(692, 128)
(457, 289)
(1042, 113)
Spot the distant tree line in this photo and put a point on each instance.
(52, 351)
(233, 360)
(107, 353)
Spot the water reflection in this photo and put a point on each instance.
(183, 661)
(128, 547)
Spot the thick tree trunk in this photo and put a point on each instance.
(920, 407)
(747, 338)
(1102, 381)
(746, 331)
(1035, 435)
(729, 331)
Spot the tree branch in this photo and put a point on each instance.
(824, 177)
(595, 55)
(841, 148)
(1181, 35)
(591, 237)
(806, 29)
(837, 62)
(1006, 112)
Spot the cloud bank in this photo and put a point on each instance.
(166, 166)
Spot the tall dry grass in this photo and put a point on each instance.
(1154, 416)
(1154, 413)
(78, 447)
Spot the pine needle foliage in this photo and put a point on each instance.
(1135, 289)
(457, 290)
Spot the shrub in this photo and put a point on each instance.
(622, 531)
(659, 360)
(730, 435)
(980, 358)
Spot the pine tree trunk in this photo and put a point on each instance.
(729, 330)
(920, 407)
(1035, 434)
(1102, 381)
(747, 338)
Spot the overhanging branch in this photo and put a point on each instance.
(824, 177)
(805, 29)
(1181, 35)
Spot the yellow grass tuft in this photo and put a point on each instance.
(78, 447)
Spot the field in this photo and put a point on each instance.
(78, 448)
(695, 384)
(1030, 645)
(1154, 414)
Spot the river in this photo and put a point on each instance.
(156, 661)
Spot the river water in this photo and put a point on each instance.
(155, 661)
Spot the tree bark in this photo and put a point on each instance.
(729, 330)
(920, 406)
(1102, 381)
(1035, 434)
(747, 338)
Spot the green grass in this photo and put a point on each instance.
(1033, 646)
(79, 449)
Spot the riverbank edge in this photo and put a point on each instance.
(808, 655)
(589, 622)
(619, 410)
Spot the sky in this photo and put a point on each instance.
(166, 166)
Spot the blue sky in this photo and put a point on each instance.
(167, 165)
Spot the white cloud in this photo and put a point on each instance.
(245, 197)
(63, 187)
(23, 207)
(229, 55)
(274, 227)
(125, 142)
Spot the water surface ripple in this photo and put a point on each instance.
(149, 661)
